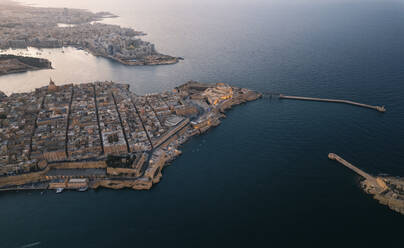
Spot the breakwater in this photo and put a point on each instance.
(387, 190)
(342, 161)
(378, 108)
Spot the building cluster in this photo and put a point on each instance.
(49, 139)
(82, 122)
(18, 114)
(153, 125)
(137, 136)
(102, 129)
(113, 136)
(83, 136)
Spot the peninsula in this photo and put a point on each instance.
(25, 26)
(13, 64)
(103, 135)
(387, 190)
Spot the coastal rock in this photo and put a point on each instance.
(2, 96)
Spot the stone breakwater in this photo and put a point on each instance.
(103, 135)
(387, 190)
(378, 108)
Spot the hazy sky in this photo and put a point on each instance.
(169, 2)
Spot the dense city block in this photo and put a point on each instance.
(101, 134)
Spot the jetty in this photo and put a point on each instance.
(381, 109)
(376, 184)
(386, 189)
(342, 161)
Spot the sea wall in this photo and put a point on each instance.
(139, 184)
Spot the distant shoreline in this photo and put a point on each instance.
(65, 27)
(10, 64)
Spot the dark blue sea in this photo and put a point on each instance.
(262, 178)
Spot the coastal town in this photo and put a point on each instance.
(101, 134)
(26, 26)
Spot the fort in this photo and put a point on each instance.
(14, 64)
(101, 134)
(387, 190)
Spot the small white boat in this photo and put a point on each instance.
(59, 190)
(83, 189)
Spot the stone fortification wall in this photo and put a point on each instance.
(23, 178)
(79, 165)
(121, 171)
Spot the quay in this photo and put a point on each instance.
(381, 109)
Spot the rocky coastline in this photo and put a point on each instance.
(390, 193)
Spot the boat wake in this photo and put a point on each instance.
(31, 245)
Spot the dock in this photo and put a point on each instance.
(381, 109)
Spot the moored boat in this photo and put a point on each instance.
(59, 190)
(82, 189)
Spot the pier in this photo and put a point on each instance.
(374, 183)
(387, 190)
(358, 171)
(381, 109)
